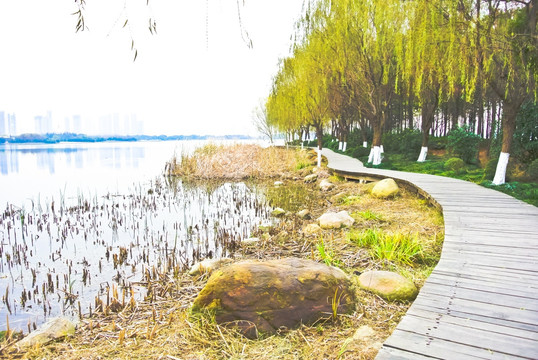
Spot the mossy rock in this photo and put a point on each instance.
(267, 296)
(54, 329)
(389, 285)
(386, 188)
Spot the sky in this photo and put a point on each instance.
(196, 76)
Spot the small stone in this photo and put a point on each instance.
(338, 198)
(311, 178)
(278, 212)
(311, 229)
(304, 214)
(326, 185)
(385, 188)
(363, 333)
(332, 220)
(278, 183)
(389, 285)
(54, 329)
(207, 266)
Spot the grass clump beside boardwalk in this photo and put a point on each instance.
(237, 162)
(162, 327)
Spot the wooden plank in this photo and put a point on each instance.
(438, 348)
(473, 316)
(473, 324)
(480, 308)
(478, 283)
(490, 248)
(498, 267)
(488, 297)
(496, 343)
(388, 353)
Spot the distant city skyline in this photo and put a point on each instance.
(49, 122)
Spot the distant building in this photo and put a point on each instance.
(77, 124)
(12, 124)
(43, 124)
(2, 124)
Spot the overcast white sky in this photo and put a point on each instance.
(180, 83)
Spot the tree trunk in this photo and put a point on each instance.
(510, 110)
(319, 135)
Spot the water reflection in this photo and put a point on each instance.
(49, 158)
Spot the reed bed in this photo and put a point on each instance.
(237, 162)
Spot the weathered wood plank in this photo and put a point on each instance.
(488, 297)
(479, 283)
(494, 342)
(388, 353)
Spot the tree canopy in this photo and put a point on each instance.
(357, 63)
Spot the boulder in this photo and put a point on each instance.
(278, 212)
(389, 285)
(267, 296)
(304, 214)
(311, 178)
(278, 183)
(54, 329)
(326, 185)
(207, 266)
(332, 220)
(311, 229)
(385, 188)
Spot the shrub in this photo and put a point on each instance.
(525, 144)
(463, 144)
(532, 170)
(358, 152)
(454, 164)
(407, 143)
(489, 170)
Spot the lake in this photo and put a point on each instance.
(81, 221)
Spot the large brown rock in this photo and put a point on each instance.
(266, 296)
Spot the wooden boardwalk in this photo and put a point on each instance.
(481, 300)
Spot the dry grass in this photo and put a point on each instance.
(161, 327)
(238, 161)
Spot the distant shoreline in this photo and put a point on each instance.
(54, 138)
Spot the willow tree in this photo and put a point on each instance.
(373, 31)
(427, 61)
(299, 96)
(510, 46)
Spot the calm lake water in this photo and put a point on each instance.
(80, 221)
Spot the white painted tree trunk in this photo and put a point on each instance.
(319, 158)
(344, 146)
(381, 149)
(377, 155)
(371, 155)
(500, 173)
(365, 144)
(340, 145)
(423, 154)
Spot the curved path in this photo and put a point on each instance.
(481, 300)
